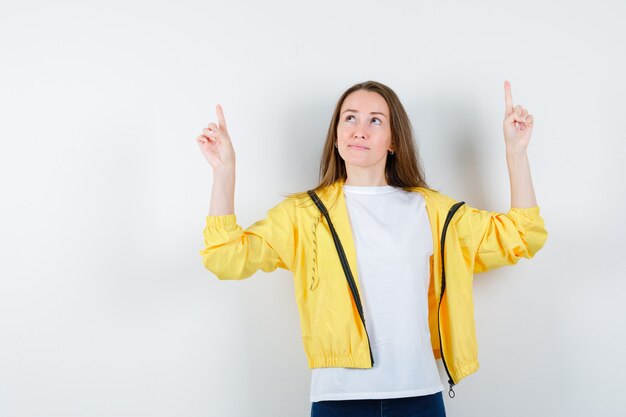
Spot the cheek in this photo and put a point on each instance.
(383, 137)
(388, 137)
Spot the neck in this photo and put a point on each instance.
(364, 177)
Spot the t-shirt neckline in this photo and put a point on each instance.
(374, 189)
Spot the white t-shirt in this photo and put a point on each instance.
(393, 243)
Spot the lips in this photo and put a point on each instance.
(357, 147)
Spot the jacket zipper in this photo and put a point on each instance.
(451, 213)
(346, 268)
(355, 292)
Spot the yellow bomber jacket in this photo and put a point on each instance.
(296, 236)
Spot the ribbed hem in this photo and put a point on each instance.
(463, 369)
(340, 361)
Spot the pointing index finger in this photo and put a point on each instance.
(220, 117)
(508, 99)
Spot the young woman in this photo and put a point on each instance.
(382, 263)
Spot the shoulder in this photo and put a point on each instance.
(302, 200)
(293, 205)
(435, 197)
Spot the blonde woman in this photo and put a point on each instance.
(382, 263)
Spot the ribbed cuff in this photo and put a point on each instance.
(529, 212)
(222, 220)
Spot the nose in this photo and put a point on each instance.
(359, 132)
(359, 129)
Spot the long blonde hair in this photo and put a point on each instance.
(403, 169)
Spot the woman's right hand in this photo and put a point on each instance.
(215, 144)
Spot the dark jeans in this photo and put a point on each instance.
(422, 406)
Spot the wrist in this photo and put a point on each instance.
(224, 172)
(516, 153)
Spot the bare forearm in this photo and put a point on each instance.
(223, 193)
(522, 191)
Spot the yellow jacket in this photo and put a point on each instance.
(296, 236)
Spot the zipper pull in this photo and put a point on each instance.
(451, 393)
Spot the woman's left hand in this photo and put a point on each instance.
(518, 123)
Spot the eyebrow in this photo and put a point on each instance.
(356, 111)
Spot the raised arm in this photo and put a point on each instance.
(217, 148)
(518, 126)
(500, 239)
(231, 252)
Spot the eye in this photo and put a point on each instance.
(348, 116)
(376, 118)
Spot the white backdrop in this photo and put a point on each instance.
(105, 308)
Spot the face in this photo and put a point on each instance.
(364, 130)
